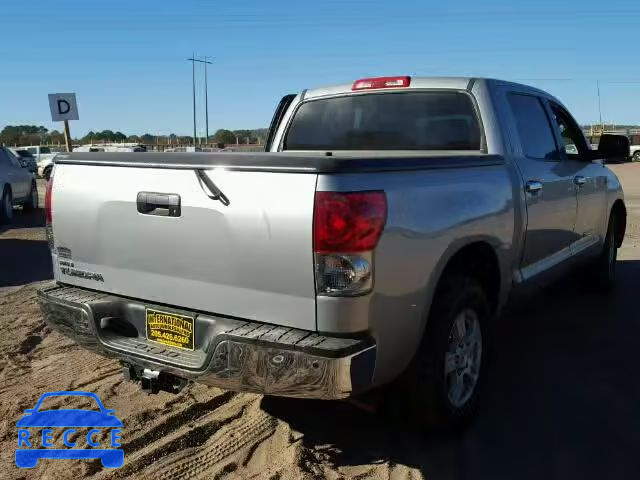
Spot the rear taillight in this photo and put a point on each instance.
(47, 200)
(346, 230)
(381, 82)
(47, 211)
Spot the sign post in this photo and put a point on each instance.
(63, 107)
(67, 136)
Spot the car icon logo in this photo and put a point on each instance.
(69, 421)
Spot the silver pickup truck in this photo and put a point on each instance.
(372, 245)
(17, 186)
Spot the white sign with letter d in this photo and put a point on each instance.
(63, 106)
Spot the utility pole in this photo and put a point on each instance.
(600, 106)
(206, 62)
(193, 61)
(206, 99)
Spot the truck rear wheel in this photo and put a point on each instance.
(6, 206)
(444, 379)
(32, 202)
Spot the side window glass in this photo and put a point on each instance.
(13, 160)
(575, 145)
(4, 158)
(533, 127)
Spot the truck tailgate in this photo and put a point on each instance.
(250, 259)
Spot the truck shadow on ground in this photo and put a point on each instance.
(35, 219)
(561, 400)
(24, 261)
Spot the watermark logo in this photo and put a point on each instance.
(104, 431)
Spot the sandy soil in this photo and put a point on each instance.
(561, 403)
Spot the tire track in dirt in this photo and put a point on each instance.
(110, 372)
(184, 417)
(32, 340)
(191, 438)
(221, 445)
(228, 469)
(250, 453)
(274, 457)
(309, 464)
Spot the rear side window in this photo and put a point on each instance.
(32, 150)
(12, 158)
(442, 120)
(45, 150)
(533, 126)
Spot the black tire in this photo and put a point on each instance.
(46, 174)
(6, 207)
(424, 385)
(636, 156)
(604, 268)
(32, 202)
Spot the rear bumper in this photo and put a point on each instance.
(229, 353)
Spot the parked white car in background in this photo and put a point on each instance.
(634, 152)
(110, 147)
(44, 159)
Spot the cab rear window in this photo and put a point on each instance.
(437, 120)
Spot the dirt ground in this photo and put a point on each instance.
(561, 402)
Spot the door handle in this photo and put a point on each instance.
(579, 180)
(532, 186)
(160, 204)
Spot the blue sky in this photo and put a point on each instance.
(126, 59)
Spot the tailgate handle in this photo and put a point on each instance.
(160, 204)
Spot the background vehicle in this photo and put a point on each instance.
(634, 153)
(26, 160)
(44, 159)
(129, 147)
(17, 186)
(373, 246)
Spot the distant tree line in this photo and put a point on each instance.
(228, 137)
(39, 135)
(29, 135)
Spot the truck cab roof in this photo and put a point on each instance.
(454, 83)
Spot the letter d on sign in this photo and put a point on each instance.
(63, 107)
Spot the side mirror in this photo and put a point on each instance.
(613, 147)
